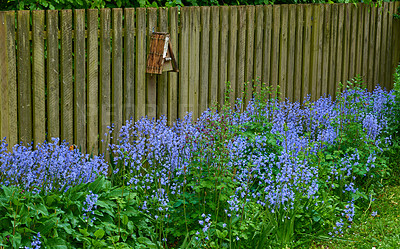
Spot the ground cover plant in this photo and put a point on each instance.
(267, 174)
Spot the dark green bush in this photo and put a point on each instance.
(86, 4)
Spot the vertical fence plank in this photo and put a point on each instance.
(319, 24)
(140, 73)
(314, 52)
(371, 49)
(283, 49)
(249, 64)
(194, 63)
(80, 80)
(382, 52)
(339, 42)
(276, 19)
(241, 51)
(11, 79)
(151, 79)
(105, 77)
(232, 53)
(129, 64)
(66, 77)
(92, 82)
(365, 43)
(214, 49)
(38, 82)
(223, 56)
(258, 47)
(3, 79)
(306, 52)
(267, 26)
(299, 53)
(53, 82)
(173, 77)
(291, 51)
(389, 47)
(117, 83)
(204, 57)
(360, 37)
(24, 78)
(346, 44)
(333, 52)
(325, 49)
(184, 62)
(378, 36)
(162, 84)
(353, 29)
(395, 42)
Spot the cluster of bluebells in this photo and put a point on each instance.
(89, 205)
(49, 166)
(158, 157)
(36, 242)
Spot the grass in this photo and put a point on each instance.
(381, 231)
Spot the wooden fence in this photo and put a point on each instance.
(70, 74)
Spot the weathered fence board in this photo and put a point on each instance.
(92, 82)
(61, 78)
(105, 76)
(80, 80)
(38, 79)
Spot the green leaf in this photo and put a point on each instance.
(56, 242)
(84, 232)
(46, 227)
(97, 185)
(99, 233)
(147, 242)
(125, 219)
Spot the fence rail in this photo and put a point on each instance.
(71, 73)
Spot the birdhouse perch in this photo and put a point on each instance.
(160, 58)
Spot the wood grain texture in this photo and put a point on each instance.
(67, 97)
(298, 53)
(92, 82)
(3, 79)
(117, 64)
(214, 53)
(53, 71)
(283, 51)
(162, 84)
(129, 64)
(38, 78)
(382, 52)
(276, 19)
(326, 50)
(389, 47)
(365, 54)
(232, 52)
(249, 58)
(80, 80)
(151, 80)
(241, 52)
(340, 43)
(223, 54)
(105, 78)
(291, 51)
(378, 47)
(194, 63)
(267, 27)
(11, 60)
(24, 78)
(306, 70)
(352, 28)
(173, 77)
(333, 52)
(258, 47)
(204, 58)
(371, 48)
(140, 73)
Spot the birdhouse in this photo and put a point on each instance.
(160, 58)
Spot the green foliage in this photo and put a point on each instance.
(59, 218)
(85, 4)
